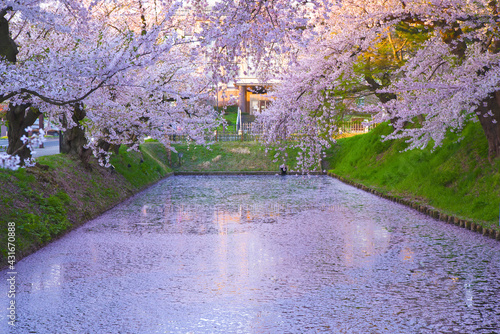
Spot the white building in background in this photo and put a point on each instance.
(247, 91)
(252, 95)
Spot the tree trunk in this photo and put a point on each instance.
(491, 130)
(73, 139)
(8, 47)
(19, 117)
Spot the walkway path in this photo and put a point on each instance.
(51, 147)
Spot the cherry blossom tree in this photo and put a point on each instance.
(99, 67)
(20, 114)
(447, 79)
(163, 93)
(455, 77)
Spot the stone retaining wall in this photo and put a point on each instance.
(243, 173)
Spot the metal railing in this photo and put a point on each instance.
(355, 127)
(247, 132)
(253, 132)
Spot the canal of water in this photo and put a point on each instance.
(259, 254)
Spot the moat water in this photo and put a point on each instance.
(259, 254)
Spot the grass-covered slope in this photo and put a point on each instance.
(58, 194)
(456, 178)
(224, 156)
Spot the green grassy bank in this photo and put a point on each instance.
(59, 194)
(225, 156)
(456, 179)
